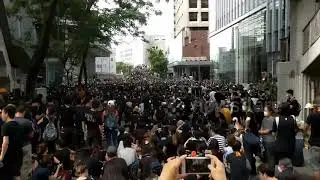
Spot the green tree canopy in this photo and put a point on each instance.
(124, 68)
(158, 61)
(83, 24)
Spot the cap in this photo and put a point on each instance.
(111, 103)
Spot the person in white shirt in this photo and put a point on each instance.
(126, 151)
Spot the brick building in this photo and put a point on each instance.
(191, 24)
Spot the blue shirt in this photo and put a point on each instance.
(41, 174)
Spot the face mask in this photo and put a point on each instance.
(279, 169)
(244, 108)
(265, 113)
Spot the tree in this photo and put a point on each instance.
(124, 68)
(87, 25)
(158, 61)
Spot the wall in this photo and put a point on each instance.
(290, 74)
(199, 45)
(6, 69)
(175, 49)
(181, 16)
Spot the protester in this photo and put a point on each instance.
(238, 164)
(115, 168)
(295, 107)
(286, 170)
(27, 129)
(11, 152)
(216, 134)
(266, 172)
(285, 128)
(268, 138)
(111, 120)
(93, 124)
(142, 122)
(42, 168)
(126, 151)
(313, 124)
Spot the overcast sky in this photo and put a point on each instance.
(162, 25)
(156, 25)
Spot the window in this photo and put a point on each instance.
(193, 3)
(204, 4)
(204, 16)
(193, 16)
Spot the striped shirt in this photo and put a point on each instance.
(221, 141)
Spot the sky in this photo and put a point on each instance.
(156, 25)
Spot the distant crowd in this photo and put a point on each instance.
(130, 130)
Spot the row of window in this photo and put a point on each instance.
(194, 4)
(193, 16)
(229, 10)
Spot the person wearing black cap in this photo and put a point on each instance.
(295, 107)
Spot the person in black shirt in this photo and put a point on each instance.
(11, 152)
(63, 156)
(68, 124)
(237, 164)
(295, 107)
(93, 122)
(313, 123)
(285, 128)
(27, 128)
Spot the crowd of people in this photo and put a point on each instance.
(130, 131)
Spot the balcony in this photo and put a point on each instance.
(311, 32)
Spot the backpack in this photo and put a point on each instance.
(110, 121)
(50, 132)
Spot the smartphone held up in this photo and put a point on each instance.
(196, 165)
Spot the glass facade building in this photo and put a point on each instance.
(247, 38)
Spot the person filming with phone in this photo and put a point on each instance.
(171, 168)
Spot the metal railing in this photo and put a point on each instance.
(311, 32)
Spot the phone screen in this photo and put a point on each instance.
(197, 165)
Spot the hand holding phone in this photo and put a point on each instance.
(196, 165)
(217, 168)
(171, 168)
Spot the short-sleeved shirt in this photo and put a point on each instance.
(15, 133)
(238, 167)
(41, 174)
(314, 121)
(93, 120)
(26, 126)
(267, 123)
(286, 135)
